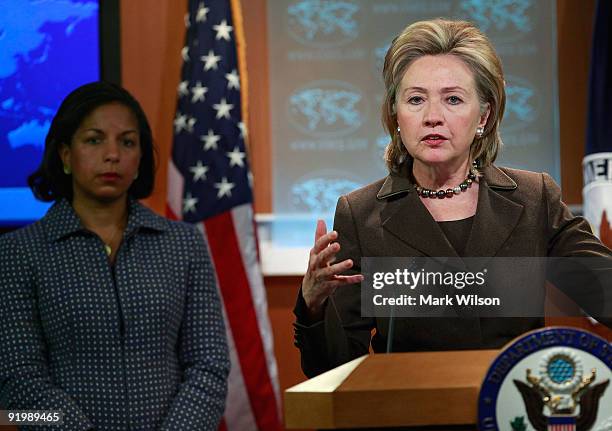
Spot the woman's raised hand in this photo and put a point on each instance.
(322, 276)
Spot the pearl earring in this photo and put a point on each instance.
(398, 129)
(479, 131)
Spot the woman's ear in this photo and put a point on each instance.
(484, 115)
(64, 153)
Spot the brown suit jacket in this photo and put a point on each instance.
(519, 213)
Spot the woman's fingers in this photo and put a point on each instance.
(330, 271)
(327, 256)
(323, 275)
(319, 283)
(349, 279)
(322, 252)
(320, 230)
(323, 241)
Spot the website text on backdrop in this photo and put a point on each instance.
(443, 197)
(110, 313)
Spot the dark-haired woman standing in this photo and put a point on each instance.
(110, 313)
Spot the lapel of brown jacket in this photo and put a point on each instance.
(496, 216)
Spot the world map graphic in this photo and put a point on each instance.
(47, 48)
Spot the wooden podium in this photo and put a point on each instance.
(392, 390)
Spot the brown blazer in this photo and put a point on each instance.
(519, 213)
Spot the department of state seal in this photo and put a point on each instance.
(552, 379)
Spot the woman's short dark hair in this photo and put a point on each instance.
(49, 182)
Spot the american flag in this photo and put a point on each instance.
(209, 183)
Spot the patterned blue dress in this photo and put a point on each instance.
(138, 345)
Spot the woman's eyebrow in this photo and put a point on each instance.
(442, 90)
(125, 132)
(453, 88)
(415, 88)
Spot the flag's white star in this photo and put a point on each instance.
(223, 109)
(202, 12)
(243, 129)
(250, 178)
(199, 171)
(210, 60)
(185, 53)
(225, 188)
(190, 123)
(233, 80)
(223, 30)
(180, 122)
(236, 157)
(183, 88)
(189, 203)
(198, 93)
(210, 140)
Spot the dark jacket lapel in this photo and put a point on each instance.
(496, 216)
(405, 216)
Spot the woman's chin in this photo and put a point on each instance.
(107, 196)
(107, 193)
(434, 159)
(439, 156)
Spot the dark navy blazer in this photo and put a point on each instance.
(139, 345)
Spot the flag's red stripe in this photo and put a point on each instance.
(222, 425)
(236, 292)
(170, 214)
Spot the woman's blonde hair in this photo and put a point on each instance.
(458, 38)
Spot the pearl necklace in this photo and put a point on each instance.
(448, 193)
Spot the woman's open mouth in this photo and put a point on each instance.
(434, 139)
